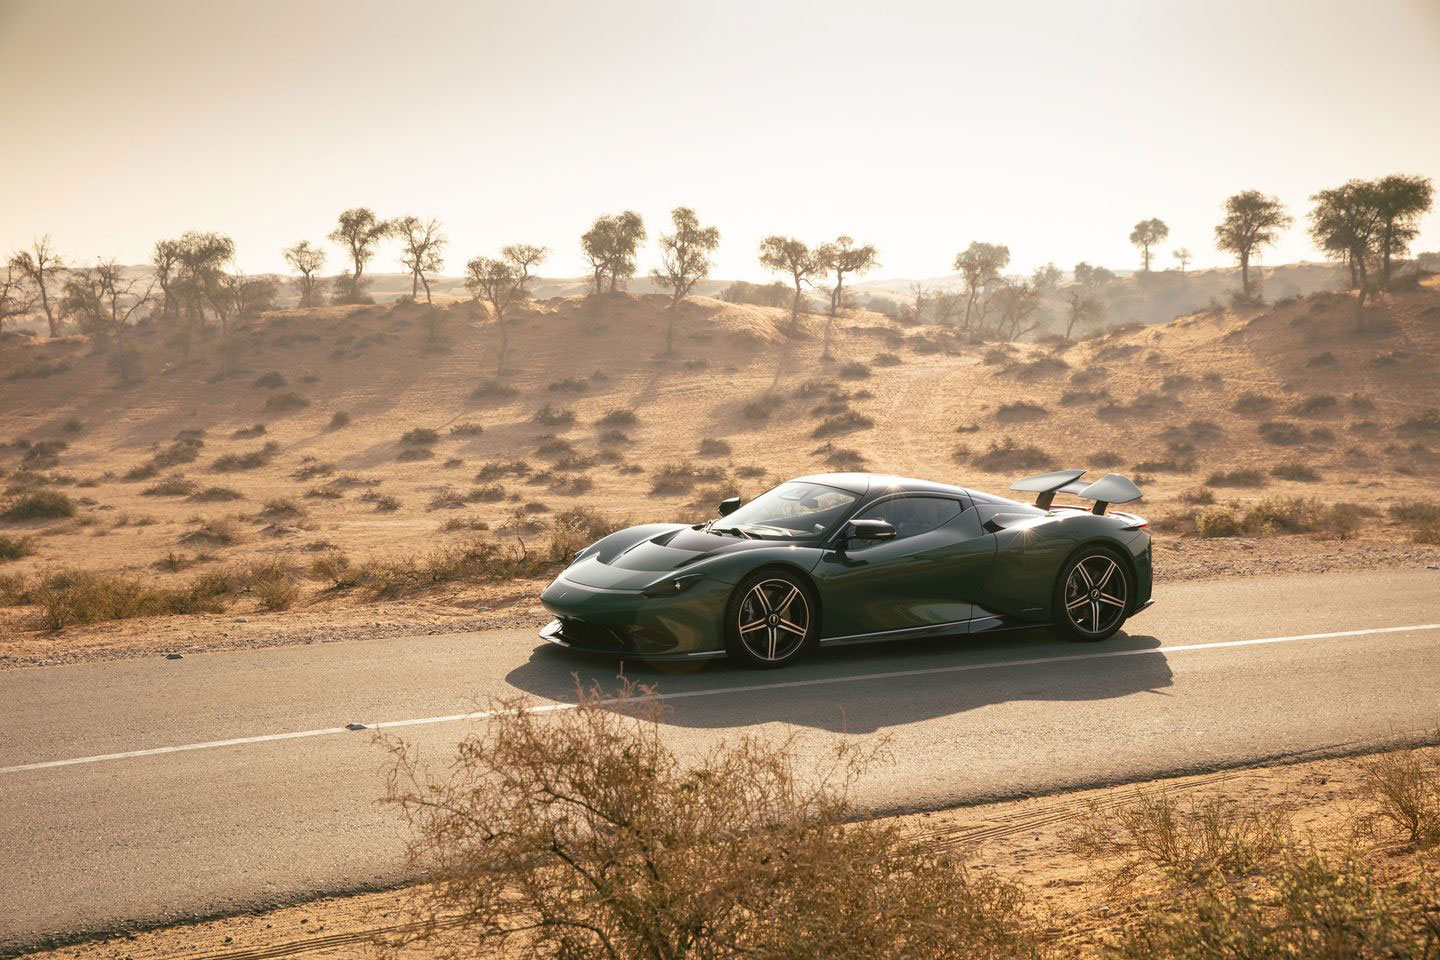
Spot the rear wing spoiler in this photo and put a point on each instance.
(1111, 488)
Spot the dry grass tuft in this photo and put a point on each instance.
(14, 548)
(1007, 455)
(1403, 787)
(39, 505)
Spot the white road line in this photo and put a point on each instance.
(748, 688)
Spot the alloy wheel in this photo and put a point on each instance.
(1096, 593)
(773, 620)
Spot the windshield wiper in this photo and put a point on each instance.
(733, 530)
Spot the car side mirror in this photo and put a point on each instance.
(729, 505)
(869, 530)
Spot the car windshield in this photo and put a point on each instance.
(791, 511)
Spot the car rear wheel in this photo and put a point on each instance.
(1092, 595)
(772, 618)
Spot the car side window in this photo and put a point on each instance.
(914, 515)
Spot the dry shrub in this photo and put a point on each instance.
(1312, 908)
(340, 418)
(312, 470)
(332, 567)
(14, 590)
(579, 833)
(1316, 403)
(217, 495)
(569, 385)
(846, 422)
(176, 486)
(760, 408)
(887, 360)
(1425, 424)
(550, 416)
(384, 503)
(39, 505)
(1197, 496)
(412, 454)
(1281, 433)
(855, 371)
(1295, 470)
(420, 436)
(619, 418)
(1019, 412)
(13, 548)
(1007, 455)
(1252, 402)
(1403, 787)
(575, 529)
(496, 470)
(478, 560)
(1219, 522)
(70, 597)
(711, 447)
(466, 428)
(284, 402)
(1236, 478)
(218, 531)
(1418, 512)
(1191, 844)
(247, 461)
(274, 585)
(493, 388)
(271, 381)
(248, 433)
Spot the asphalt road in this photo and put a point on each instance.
(157, 812)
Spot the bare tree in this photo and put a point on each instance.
(104, 302)
(1401, 200)
(15, 300)
(1018, 299)
(1252, 220)
(1146, 234)
(980, 264)
(424, 251)
(360, 232)
(1084, 310)
(1183, 255)
(840, 259)
(684, 261)
(165, 260)
(42, 267)
(920, 298)
(307, 261)
(1347, 222)
(501, 283)
(788, 255)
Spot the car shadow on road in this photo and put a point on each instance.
(862, 689)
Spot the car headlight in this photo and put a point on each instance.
(671, 586)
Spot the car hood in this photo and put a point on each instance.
(667, 550)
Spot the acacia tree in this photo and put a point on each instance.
(165, 262)
(360, 232)
(501, 283)
(1092, 278)
(424, 251)
(980, 264)
(1046, 277)
(611, 244)
(1183, 255)
(788, 255)
(1252, 220)
(41, 266)
(1401, 200)
(840, 259)
(307, 261)
(202, 259)
(684, 261)
(1146, 234)
(1347, 223)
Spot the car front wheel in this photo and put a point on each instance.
(1092, 595)
(771, 619)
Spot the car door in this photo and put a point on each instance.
(929, 574)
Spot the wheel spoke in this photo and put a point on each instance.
(1109, 572)
(774, 638)
(1113, 601)
(1095, 616)
(754, 625)
(1078, 601)
(787, 625)
(759, 594)
(789, 599)
(1084, 574)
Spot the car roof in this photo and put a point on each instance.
(877, 483)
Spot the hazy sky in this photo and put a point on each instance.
(1049, 126)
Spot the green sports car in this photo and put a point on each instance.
(857, 558)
